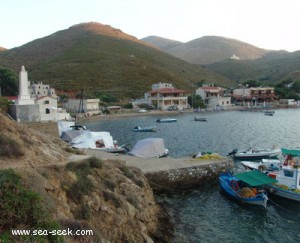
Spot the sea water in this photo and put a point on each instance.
(205, 214)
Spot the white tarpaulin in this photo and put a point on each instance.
(93, 140)
(64, 126)
(149, 148)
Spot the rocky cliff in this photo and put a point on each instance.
(114, 201)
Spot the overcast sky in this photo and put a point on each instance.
(269, 24)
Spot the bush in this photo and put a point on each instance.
(22, 207)
(9, 147)
(128, 173)
(78, 189)
(95, 162)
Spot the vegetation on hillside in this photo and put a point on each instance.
(21, 209)
(80, 57)
(288, 89)
(8, 82)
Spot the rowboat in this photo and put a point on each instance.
(166, 120)
(144, 129)
(246, 187)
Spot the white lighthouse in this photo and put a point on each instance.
(24, 96)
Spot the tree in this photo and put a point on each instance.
(196, 101)
(252, 83)
(8, 82)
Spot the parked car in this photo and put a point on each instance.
(142, 111)
(173, 108)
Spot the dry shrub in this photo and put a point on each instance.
(10, 148)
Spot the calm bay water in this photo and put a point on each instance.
(206, 215)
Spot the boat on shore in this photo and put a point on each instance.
(149, 148)
(255, 154)
(246, 187)
(144, 129)
(166, 120)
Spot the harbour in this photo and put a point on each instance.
(204, 214)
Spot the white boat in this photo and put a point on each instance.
(288, 179)
(198, 118)
(149, 148)
(97, 140)
(266, 165)
(255, 153)
(144, 129)
(166, 120)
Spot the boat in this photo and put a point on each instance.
(144, 129)
(265, 165)
(288, 179)
(246, 187)
(198, 118)
(166, 120)
(269, 113)
(149, 148)
(292, 152)
(102, 141)
(255, 154)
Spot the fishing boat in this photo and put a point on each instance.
(198, 118)
(265, 165)
(255, 154)
(288, 179)
(144, 129)
(246, 187)
(166, 120)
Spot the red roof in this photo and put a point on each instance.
(166, 91)
(11, 97)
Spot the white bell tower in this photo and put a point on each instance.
(24, 96)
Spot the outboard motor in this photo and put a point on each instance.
(233, 152)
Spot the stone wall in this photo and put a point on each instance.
(25, 113)
(194, 176)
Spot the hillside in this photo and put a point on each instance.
(161, 43)
(271, 68)
(2, 48)
(97, 57)
(41, 189)
(211, 49)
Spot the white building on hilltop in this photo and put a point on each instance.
(33, 107)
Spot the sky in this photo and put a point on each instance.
(268, 24)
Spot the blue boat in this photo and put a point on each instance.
(144, 129)
(166, 120)
(246, 187)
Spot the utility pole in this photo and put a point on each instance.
(80, 109)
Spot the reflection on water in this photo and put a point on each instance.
(206, 215)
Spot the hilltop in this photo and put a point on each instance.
(208, 49)
(97, 57)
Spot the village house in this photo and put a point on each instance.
(213, 96)
(33, 105)
(164, 96)
(88, 106)
(254, 93)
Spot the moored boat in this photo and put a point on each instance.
(198, 118)
(255, 153)
(144, 129)
(265, 165)
(166, 120)
(269, 112)
(288, 179)
(246, 187)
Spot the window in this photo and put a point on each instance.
(47, 111)
(46, 102)
(288, 173)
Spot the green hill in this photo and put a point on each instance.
(97, 57)
(207, 49)
(271, 68)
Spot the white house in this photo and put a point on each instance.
(164, 95)
(213, 96)
(32, 106)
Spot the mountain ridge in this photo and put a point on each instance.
(97, 57)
